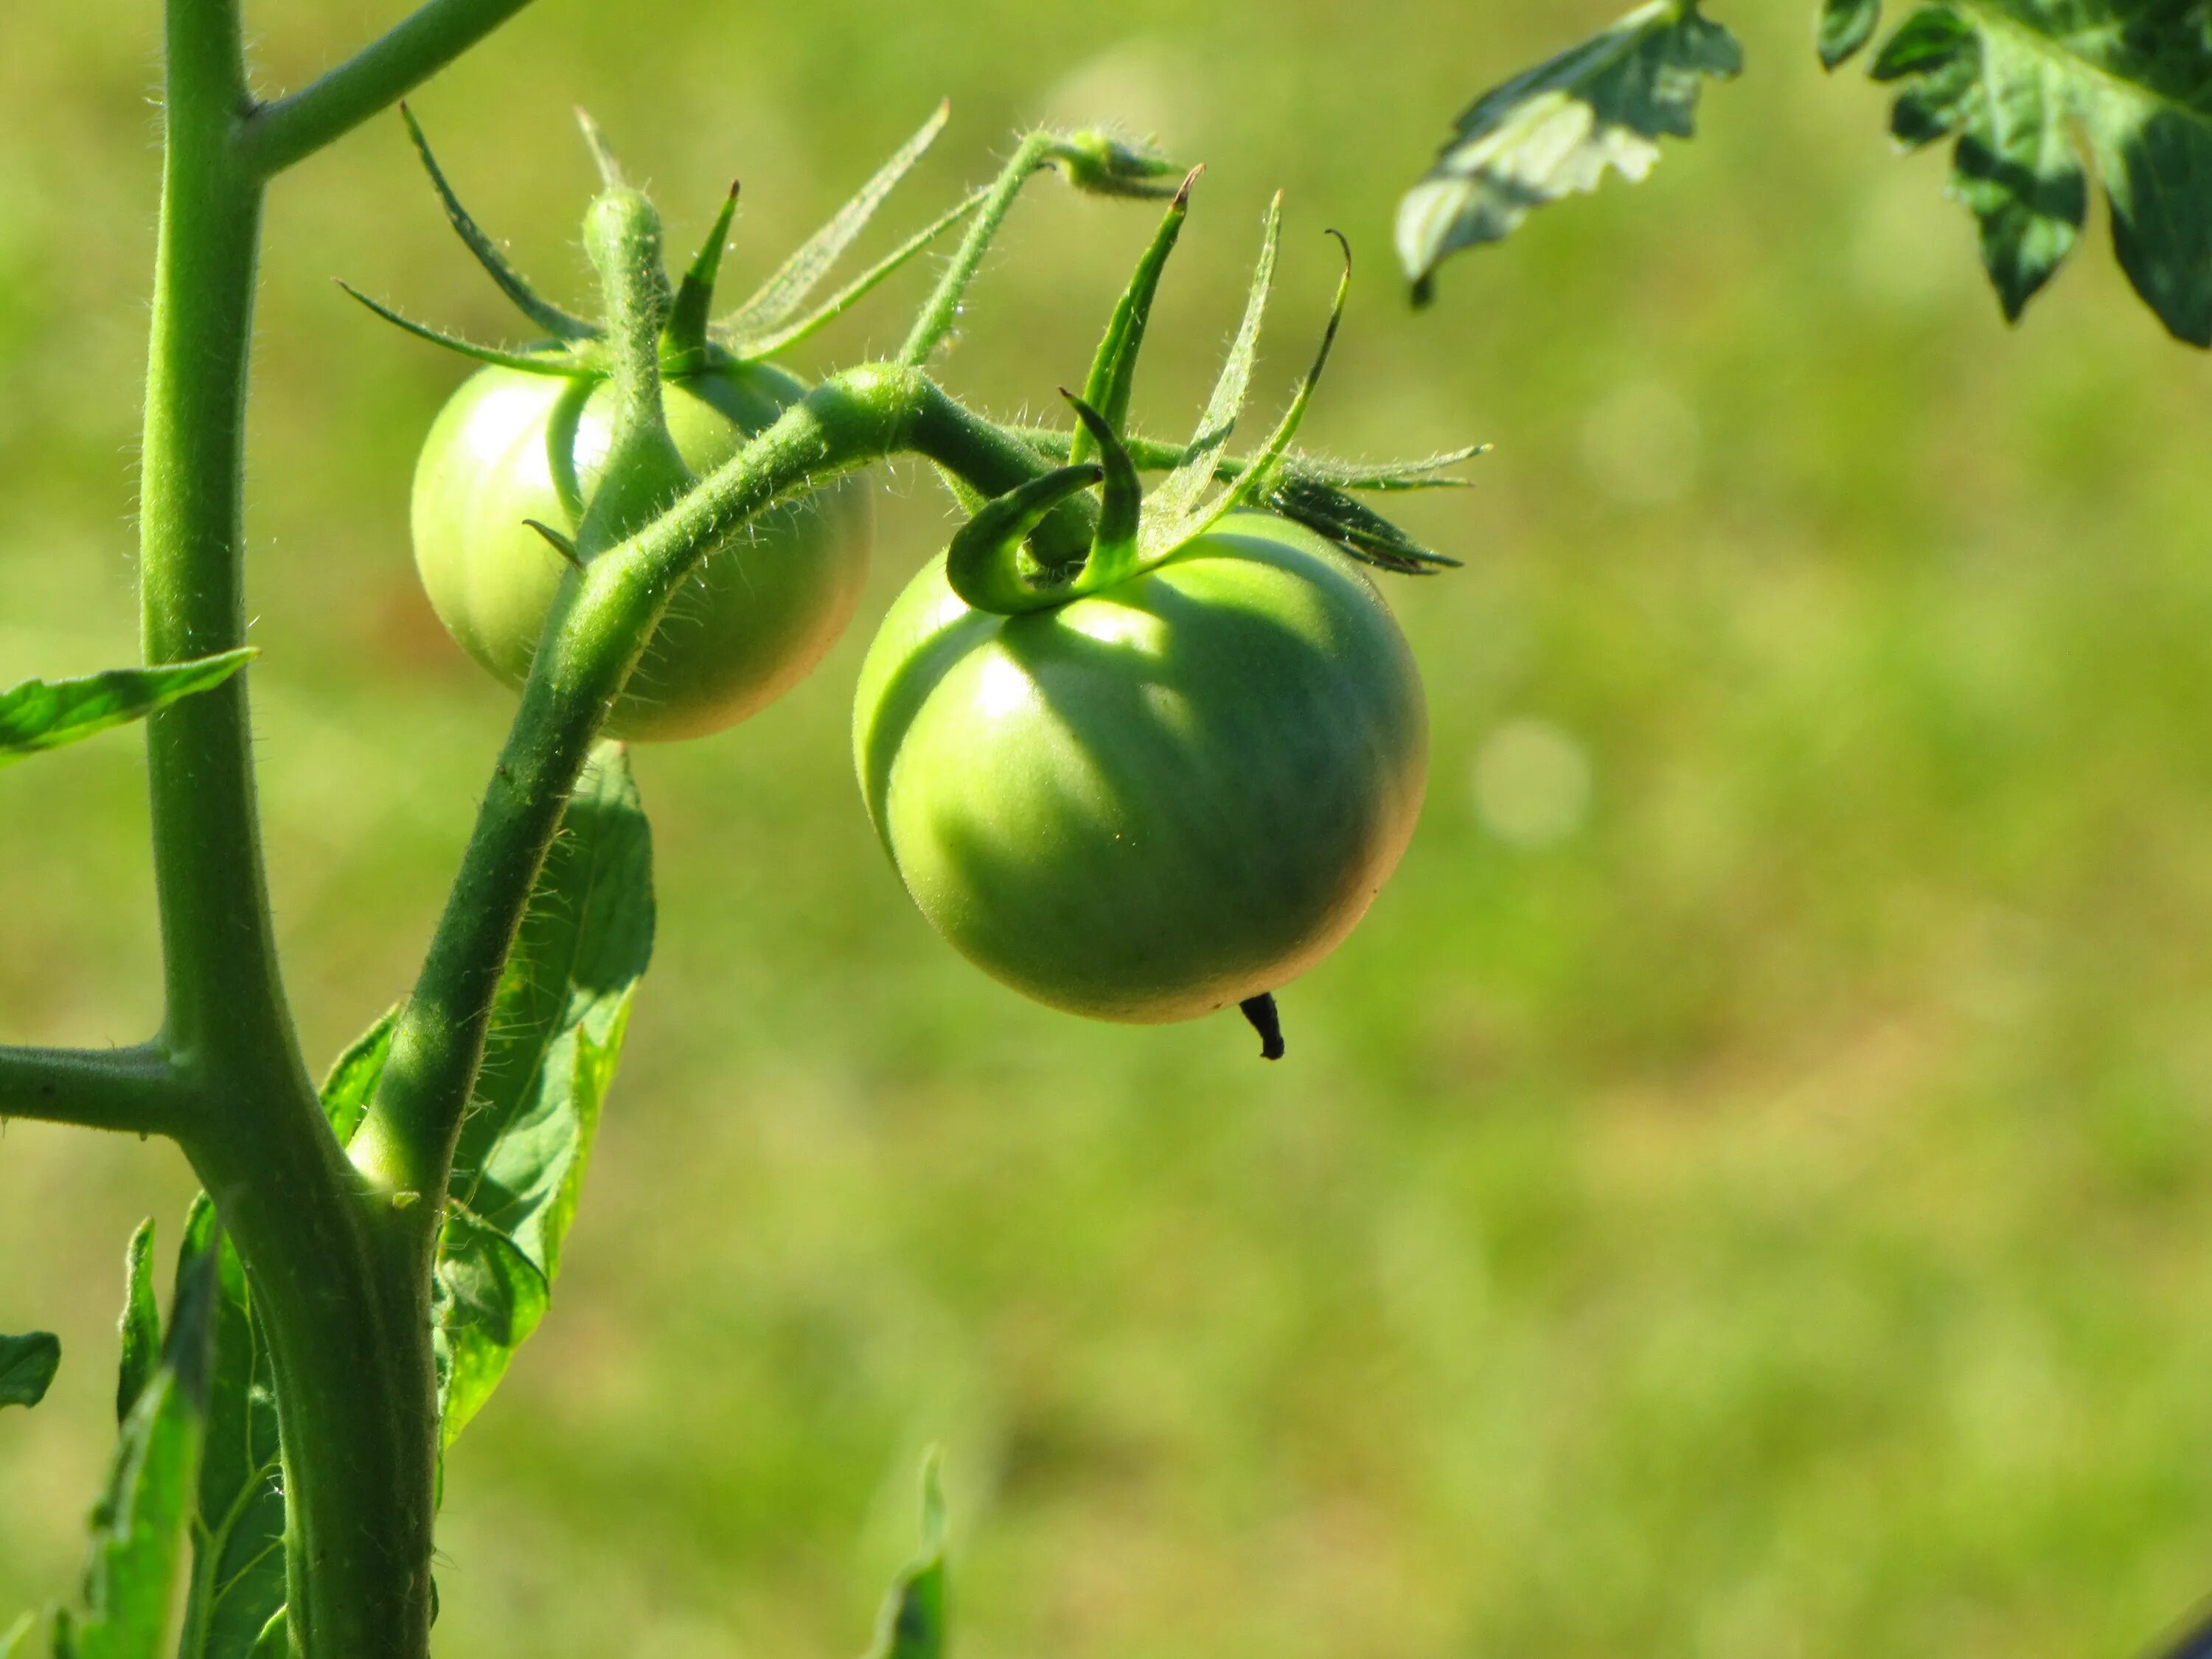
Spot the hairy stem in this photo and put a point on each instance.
(133, 1091)
(275, 135)
(343, 1296)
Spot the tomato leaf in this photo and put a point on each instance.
(139, 1526)
(2035, 92)
(141, 1323)
(238, 1525)
(27, 1364)
(39, 714)
(912, 1624)
(556, 1029)
(1557, 130)
(1114, 368)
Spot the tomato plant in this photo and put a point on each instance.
(649, 528)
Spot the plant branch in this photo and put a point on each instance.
(131, 1091)
(279, 134)
(600, 624)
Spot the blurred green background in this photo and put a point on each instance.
(1746, 1190)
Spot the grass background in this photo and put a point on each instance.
(1746, 1190)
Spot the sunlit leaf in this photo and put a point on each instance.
(1172, 507)
(1559, 128)
(39, 714)
(27, 1364)
(2036, 93)
(556, 1031)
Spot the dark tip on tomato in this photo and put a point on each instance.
(1267, 1021)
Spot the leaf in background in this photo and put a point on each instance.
(556, 1031)
(2030, 89)
(37, 715)
(1845, 27)
(912, 1624)
(16, 1639)
(1555, 130)
(27, 1364)
(139, 1526)
(238, 1527)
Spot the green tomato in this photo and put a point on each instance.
(1157, 800)
(748, 625)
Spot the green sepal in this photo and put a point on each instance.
(27, 1364)
(985, 562)
(694, 294)
(1352, 526)
(1114, 368)
(1260, 469)
(560, 324)
(555, 360)
(603, 156)
(912, 1624)
(1113, 546)
(786, 290)
(1174, 501)
(39, 714)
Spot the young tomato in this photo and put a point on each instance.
(1159, 800)
(749, 624)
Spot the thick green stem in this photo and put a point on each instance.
(133, 1091)
(341, 1290)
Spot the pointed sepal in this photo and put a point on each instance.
(779, 298)
(551, 318)
(1113, 545)
(529, 362)
(694, 294)
(1114, 368)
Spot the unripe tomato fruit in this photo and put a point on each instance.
(1159, 800)
(753, 618)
